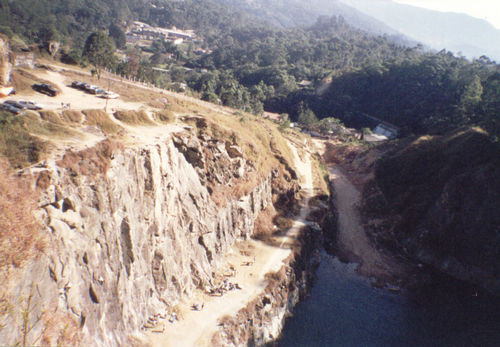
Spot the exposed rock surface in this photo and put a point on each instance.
(129, 238)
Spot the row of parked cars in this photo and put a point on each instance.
(19, 106)
(91, 89)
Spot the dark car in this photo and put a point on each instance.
(46, 88)
(30, 105)
(15, 104)
(78, 85)
(10, 108)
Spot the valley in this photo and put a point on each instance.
(244, 173)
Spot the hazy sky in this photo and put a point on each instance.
(484, 9)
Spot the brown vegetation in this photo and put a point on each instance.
(17, 145)
(21, 237)
(51, 116)
(22, 81)
(164, 116)
(60, 330)
(72, 116)
(132, 117)
(102, 120)
(264, 224)
(92, 161)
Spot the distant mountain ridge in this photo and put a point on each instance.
(298, 13)
(455, 32)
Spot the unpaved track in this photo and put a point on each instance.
(198, 327)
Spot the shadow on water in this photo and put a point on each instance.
(343, 309)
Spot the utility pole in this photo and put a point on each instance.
(107, 96)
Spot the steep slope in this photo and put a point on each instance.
(136, 223)
(434, 200)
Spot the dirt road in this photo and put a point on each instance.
(197, 327)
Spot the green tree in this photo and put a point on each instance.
(472, 93)
(307, 118)
(99, 51)
(118, 36)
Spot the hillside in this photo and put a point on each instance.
(454, 32)
(293, 13)
(138, 213)
(433, 200)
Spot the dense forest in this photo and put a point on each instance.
(329, 69)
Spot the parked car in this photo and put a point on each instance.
(10, 108)
(110, 95)
(30, 105)
(92, 89)
(16, 104)
(46, 88)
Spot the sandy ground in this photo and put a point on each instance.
(77, 99)
(352, 237)
(197, 327)
(80, 100)
(88, 101)
(353, 242)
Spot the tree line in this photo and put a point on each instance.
(251, 65)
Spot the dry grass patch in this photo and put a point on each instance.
(33, 122)
(261, 141)
(21, 236)
(51, 116)
(22, 81)
(132, 117)
(320, 176)
(165, 116)
(102, 120)
(17, 145)
(92, 161)
(72, 116)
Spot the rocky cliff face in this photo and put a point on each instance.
(132, 230)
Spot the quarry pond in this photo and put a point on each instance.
(343, 309)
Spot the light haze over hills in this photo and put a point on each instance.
(406, 24)
(456, 32)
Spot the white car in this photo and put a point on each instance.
(110, 95)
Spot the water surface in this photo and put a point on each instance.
(343, 309)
